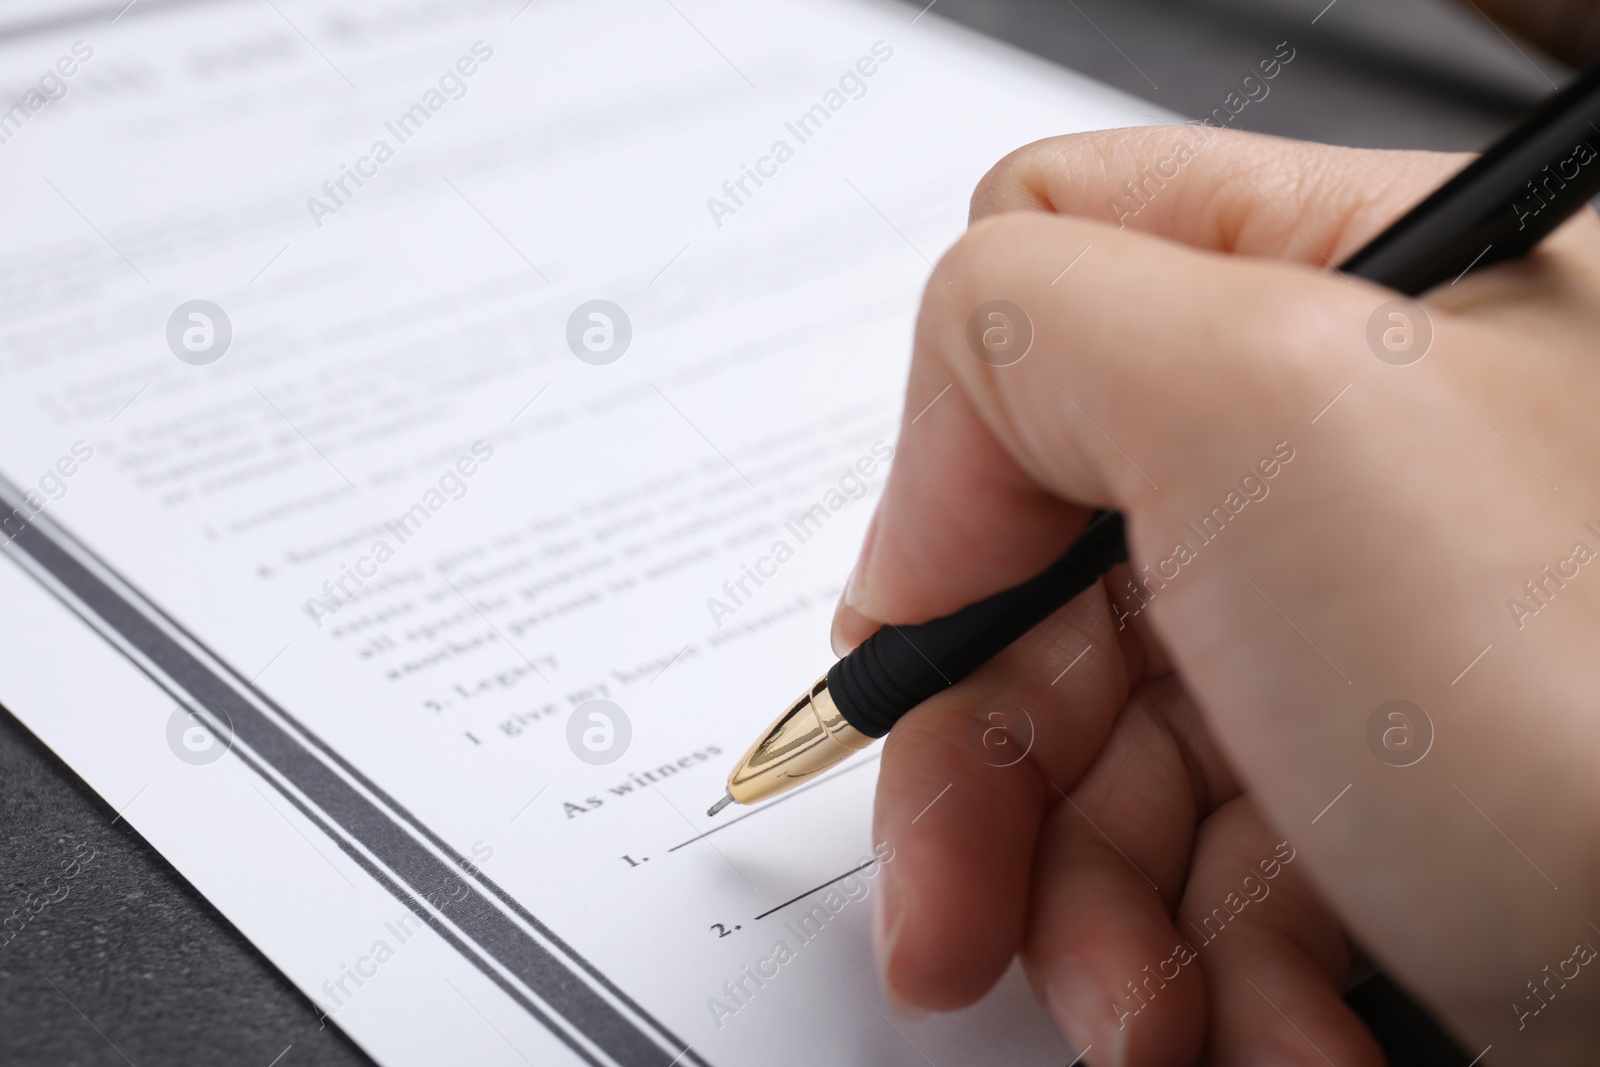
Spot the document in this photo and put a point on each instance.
(433, 440)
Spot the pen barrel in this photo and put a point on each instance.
(899, 667)
(1501, 204)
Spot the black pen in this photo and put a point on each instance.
(1500, 206)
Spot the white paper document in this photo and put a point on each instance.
(433, 438)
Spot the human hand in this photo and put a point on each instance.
(1200, 819)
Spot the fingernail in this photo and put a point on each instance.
(849, 629)
(855, 617)
(906, 1010)
(1082, 1010)
(887, 917)
(853, 597)
(851, 625)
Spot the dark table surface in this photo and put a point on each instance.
(133, 966)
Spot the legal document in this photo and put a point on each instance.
(433, 439)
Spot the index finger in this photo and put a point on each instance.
(1106, 402)
(1221, 190)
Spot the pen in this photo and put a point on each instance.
(1498, 207)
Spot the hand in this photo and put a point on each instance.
(1209, 809)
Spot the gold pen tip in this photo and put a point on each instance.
(719, 805)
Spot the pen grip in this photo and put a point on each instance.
(899, 667)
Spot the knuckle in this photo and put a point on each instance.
(982, 265)
(1009, 184)
(986, 253)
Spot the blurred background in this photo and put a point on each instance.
(176, 983)
(1436, 74)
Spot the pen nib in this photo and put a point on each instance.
(719, 805)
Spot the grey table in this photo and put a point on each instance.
(133, 966)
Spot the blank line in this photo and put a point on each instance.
(1290, 1021)
(1502, 833)
(703, 436)
(690, 821)
(1086, 1048)
(1474, 663)
(1102, 433)
(815, 889)
(1301, 632)
(932, 402)
(1071, 665)
(281, 1055)
(1480, 1056)
(931, 803)
(1324, 11)
(790, 795)
(923, 12)
(1335, 400)
(1331, 803)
